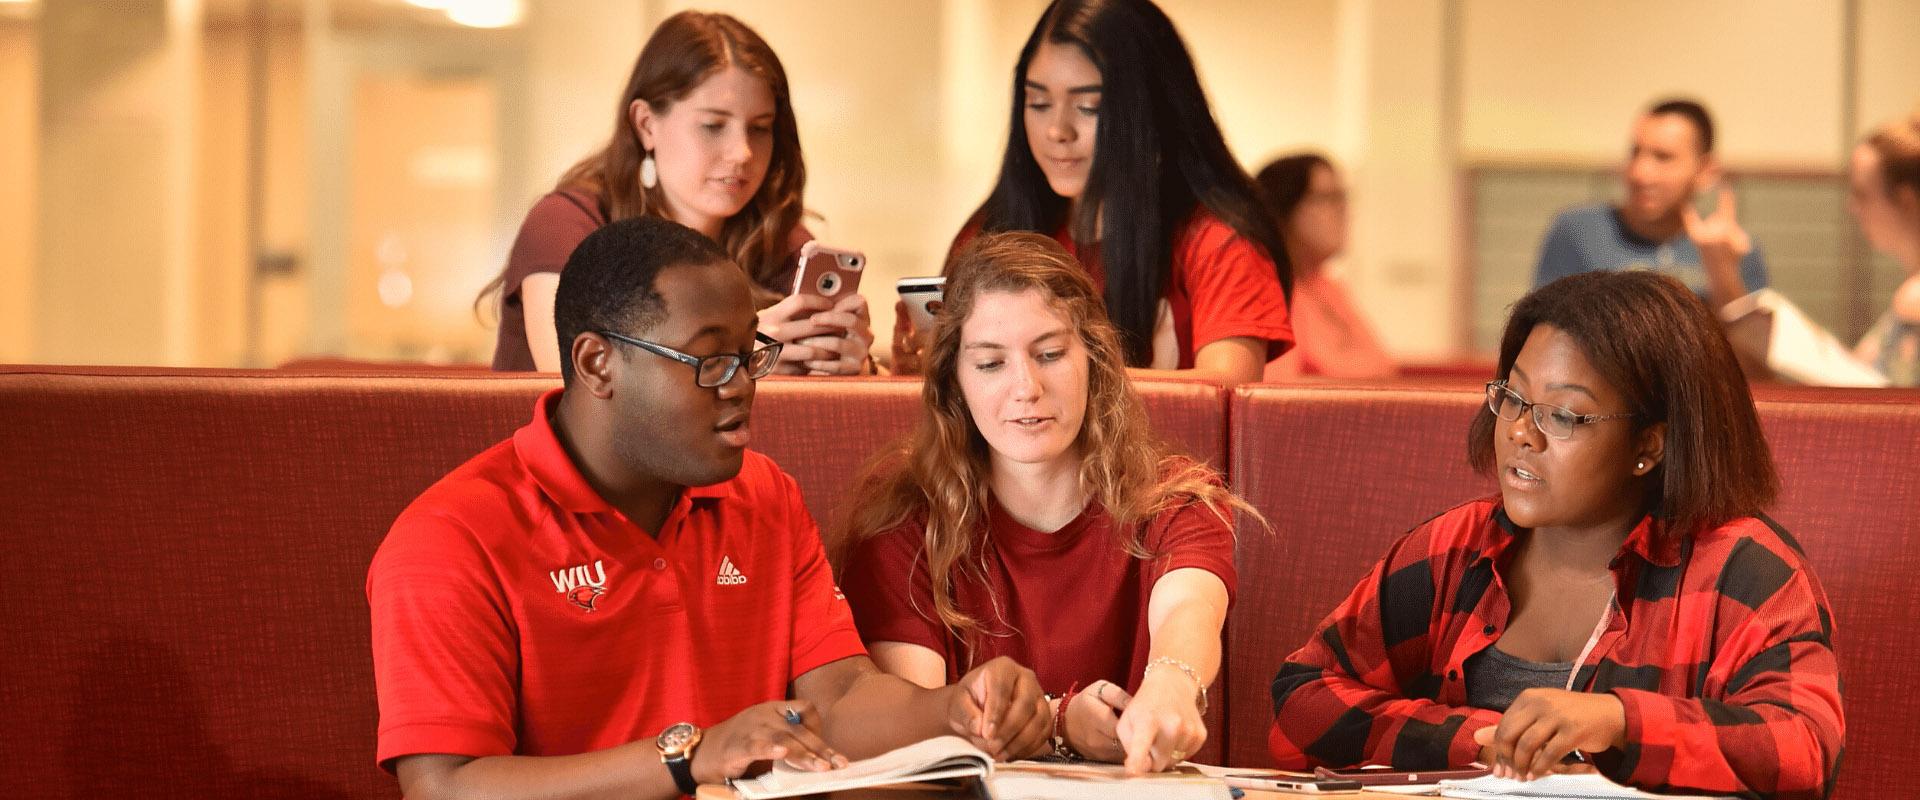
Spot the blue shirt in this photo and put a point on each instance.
(1593, 237)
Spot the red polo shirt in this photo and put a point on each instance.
(516, 612)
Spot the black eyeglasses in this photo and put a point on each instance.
(1555, 421)
(711, 372)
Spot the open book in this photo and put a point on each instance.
(1560, 787)
(1796, 348)
(949, 757)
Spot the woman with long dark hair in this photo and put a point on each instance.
(1033, 457)
(1113, 151)
(1622, 604)
(1309, 202)
(705, 136)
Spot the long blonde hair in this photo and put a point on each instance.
(683, 52)
(938, 475)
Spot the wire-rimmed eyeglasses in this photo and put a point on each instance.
(1557, 422)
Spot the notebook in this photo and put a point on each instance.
(951, 757)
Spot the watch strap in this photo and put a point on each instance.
(681, 767)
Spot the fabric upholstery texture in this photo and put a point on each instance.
(1850, 477)
(1339, 473)
(183, 602)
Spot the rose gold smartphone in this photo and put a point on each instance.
(828, 272)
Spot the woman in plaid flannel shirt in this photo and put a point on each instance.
(1622, 602)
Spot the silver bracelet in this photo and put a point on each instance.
(1183, 667)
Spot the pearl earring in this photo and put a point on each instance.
(1639, 465)
(649, 174)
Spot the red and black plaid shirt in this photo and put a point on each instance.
(1719, 646)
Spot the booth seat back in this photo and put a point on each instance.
(1849, 465)
(1339, 473)
(182, 601)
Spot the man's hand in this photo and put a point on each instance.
(906, 342)
(763, 733)
(1162, 725)
(1722, 244)
(1000, 708)
(1544, 725)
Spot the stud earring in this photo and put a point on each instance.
(1639, 465)
(649, 174)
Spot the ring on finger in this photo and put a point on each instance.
(793, 717)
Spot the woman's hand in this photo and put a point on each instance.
(1544, 725)
(822, 337)
(845, 353)
(906, 341)
(1091, 721)
(1162, 725)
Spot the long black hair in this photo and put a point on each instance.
(1158, 155)
(1283, 183)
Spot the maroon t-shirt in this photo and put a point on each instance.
(559, 221)
(1071, 605)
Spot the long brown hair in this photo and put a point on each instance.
(938, 475)
(687, 49)
(1898, 143)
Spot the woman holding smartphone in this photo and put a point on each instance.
(1621, 601)
(1113, 151)
(1033, 459)
(704, 136)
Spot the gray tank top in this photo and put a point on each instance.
(1495, 678)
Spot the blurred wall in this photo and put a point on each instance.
(902, 109)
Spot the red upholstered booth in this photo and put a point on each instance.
(182, 606)
(1339, 473)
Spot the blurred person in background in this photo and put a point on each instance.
(1884, 197)
(704, 136)
(1113, 151)
(1671, 162)
(1309, 202)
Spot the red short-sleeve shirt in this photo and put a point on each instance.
(1088, 627)
(558, 222)
(516, 612)
(1221, 286)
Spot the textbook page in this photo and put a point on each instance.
(934, 759)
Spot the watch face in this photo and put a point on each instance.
(676, 738)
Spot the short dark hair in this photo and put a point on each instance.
(1283, 183)
(1691, 111)
(608, 283)
(1652, 338)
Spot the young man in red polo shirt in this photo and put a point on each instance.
(621, 600)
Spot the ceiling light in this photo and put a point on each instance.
(487, 13)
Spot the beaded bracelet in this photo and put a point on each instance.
(1183, 667)
(1061, 748)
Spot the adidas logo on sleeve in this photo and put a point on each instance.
(729, 574)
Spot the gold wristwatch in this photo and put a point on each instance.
(676, 745)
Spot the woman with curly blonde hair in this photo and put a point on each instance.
(1033, 514)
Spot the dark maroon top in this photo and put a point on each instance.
(559, 221)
